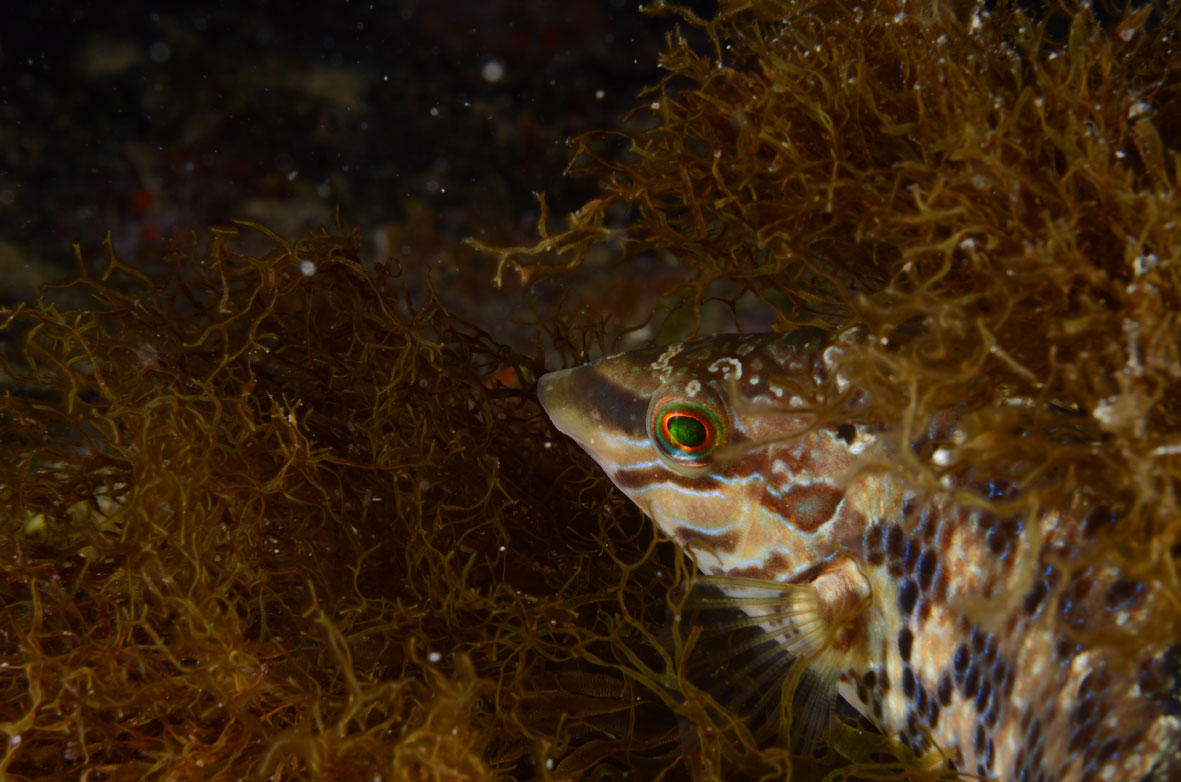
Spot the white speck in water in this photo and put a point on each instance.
(600, 94)
(493, 71)
(1138, 109)
(434, 656)
(549, 764)
(968, 244)
(434, 112)
(1144, 263)
(307, 268)
(292, 175)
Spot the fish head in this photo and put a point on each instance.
(718, 441)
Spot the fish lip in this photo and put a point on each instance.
(550, 388)
(557, 393)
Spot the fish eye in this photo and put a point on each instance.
(687, 430)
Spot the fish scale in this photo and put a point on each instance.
(961, 630)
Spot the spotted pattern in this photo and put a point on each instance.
(978, 639)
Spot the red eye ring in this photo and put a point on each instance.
(689, 431)
(685, 432)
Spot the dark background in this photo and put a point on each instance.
(152, 122)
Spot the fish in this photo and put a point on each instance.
(955, 627)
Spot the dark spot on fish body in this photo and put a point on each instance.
(963, 659)
(905, 641)
(913, 550)
(990, 648)
(927, 563)
(945, 689)
(997, 541)
(982, 697)
(977, 640)
(1001, 673)
(907, 596)
(895, 543)
(933, 712)
(1035, 597)
(873, 545)
(1081, 737)
(972, 682)
(907, 682)
(993, 714)
(847, 432)
(1035, 732)
(927, 529)
(978, 740)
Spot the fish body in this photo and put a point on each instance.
(955, 628)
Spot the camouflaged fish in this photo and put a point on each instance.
(716, 442)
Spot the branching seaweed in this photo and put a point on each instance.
(271, 517)
(990, 194)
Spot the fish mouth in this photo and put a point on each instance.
(605, 419)
(559, 395)
(555, 392)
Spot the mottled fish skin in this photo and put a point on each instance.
(1019, 697)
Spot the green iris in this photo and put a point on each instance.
(686, 431)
